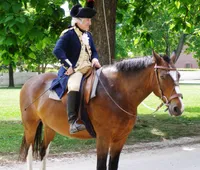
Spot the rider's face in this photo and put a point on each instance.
(85, 24)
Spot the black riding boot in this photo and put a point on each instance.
(72, 105)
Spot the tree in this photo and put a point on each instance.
(156, 24)
(12, 26)
(103, 29)
(193, 46)
(29, 27)
(24, 23)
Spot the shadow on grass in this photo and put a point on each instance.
(149, 128)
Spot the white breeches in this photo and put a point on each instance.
(74, 80)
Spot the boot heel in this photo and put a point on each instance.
(75, 127)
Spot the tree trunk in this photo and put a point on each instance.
(44, 66)
(38, 69)
(11, 77)
(180, 45)
(105, 48)
(167, 50)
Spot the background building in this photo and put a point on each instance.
(186, 60)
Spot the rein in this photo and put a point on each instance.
(42, 94)
(130, 114)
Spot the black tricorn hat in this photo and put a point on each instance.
(79, 12)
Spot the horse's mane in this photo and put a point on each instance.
(134, 64)
(137, 64)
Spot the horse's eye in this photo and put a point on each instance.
(163, 75)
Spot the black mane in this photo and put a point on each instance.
(166, 58)
(137, 64)
(134, 64)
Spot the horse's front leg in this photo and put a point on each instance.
(115, 151)
(102, 152)
(116, 146)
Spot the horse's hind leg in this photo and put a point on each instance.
(115, 150)
(30, 158)
(49, 134)
(31, 130)
(102, 152)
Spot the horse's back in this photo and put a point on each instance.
(39, 79)
(33, 88)
(36, 83)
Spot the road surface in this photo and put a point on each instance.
(180, 157)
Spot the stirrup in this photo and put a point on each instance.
(75, 127)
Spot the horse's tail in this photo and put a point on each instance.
(37, 144)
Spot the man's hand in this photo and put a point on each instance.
(95, 63)
(69, 71)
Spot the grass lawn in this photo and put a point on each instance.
(9, 104)
(149, 127)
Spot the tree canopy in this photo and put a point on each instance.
(30, 28)
(153, 24)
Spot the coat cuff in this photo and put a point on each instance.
(95, 59)
(66, 63)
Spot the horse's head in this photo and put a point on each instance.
(167, 78)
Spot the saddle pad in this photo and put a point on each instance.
(53, 95)
(94, 86)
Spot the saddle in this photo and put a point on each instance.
(86, 86)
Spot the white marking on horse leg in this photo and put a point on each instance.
(43, 167)
(181, 101)
(29, 158)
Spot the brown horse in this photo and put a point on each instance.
(113, 111)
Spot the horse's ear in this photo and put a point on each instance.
(173, 57)
(156, 57)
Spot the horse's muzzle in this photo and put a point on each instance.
(174, 110)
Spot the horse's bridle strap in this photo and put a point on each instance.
(167, 101)
(175, 96)
(163, 68)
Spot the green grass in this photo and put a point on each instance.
(158, 126)
(9, 104)
(149, 127)
(11, 133)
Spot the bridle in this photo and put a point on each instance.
(166, 101)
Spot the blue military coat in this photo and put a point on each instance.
(69, 47)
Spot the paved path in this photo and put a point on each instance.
(156, 156)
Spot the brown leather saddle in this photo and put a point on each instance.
(86, 87)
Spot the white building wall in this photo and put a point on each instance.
(19, 78)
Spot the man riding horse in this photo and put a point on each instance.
(76, 51)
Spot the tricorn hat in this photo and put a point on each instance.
(83, 12)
